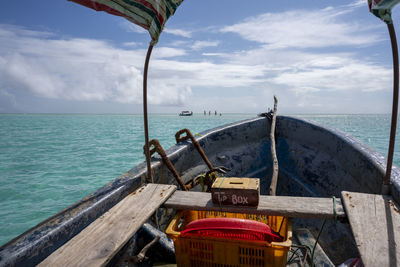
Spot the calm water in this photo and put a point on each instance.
(48, 162)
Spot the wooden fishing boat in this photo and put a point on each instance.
(330, 194)
(314, 162)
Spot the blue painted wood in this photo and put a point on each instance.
(313, 161)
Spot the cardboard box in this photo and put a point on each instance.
(236, 191)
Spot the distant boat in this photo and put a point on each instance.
(186, 113)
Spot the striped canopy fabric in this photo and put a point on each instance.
(149, 14)
(382, 9)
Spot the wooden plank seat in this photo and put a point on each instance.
(102, 239)
(301, 207)
(375, 223)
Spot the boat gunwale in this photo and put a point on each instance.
(373, 156)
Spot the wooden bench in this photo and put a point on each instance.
(102, 239)
(375, 223)
(301, 207)
(374, 220)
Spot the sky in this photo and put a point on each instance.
(230, 56)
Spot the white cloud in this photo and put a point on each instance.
(169, 94)
(237, 81)
(291, 66)
(214, 54)
(167, 52)
(130, 44)
(179, 43)
(208, 74)
(303, 29)
(78, 69)
(340, 75)
(8, 102)
(178, 32)
(84, 69)
(358, 3)
(198, 45)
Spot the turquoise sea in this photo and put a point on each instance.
(48, 162)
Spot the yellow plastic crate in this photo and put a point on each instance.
(208, 251)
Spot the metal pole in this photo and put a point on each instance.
(395, 102)
(146, 124)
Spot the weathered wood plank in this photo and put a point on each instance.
(375, 223)
(303, 207)
(103, 238)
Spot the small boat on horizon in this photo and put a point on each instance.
(186, 113)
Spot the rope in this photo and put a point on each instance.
(294, 253)
(316, 242)
(306, 254)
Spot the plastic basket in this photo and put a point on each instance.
(209, 251)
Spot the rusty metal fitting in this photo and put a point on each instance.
(196, 144)
(155, 146)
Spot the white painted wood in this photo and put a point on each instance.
(103, 238)
(303, 207)
(375, 223)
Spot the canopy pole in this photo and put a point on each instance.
(146, 124)
(394, 107)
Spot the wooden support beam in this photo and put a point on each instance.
(275, 168)
(301, 207)
(375, 223)
(102, 239)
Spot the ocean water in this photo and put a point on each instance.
(48, 162)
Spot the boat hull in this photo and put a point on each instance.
(313, 161)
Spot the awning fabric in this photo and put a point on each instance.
(382, 9)
(149, 14)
